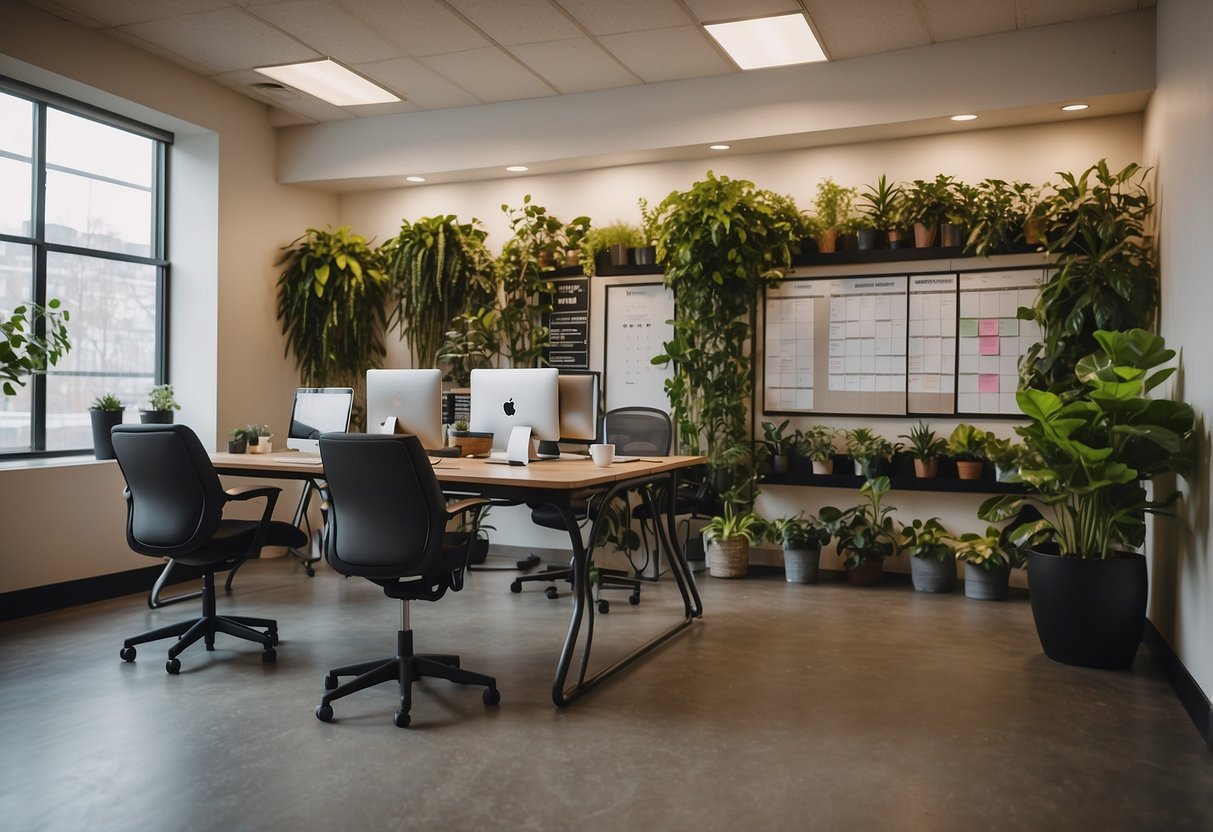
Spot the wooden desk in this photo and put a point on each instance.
(553, 482)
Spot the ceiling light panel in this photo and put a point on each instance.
(330, 81)
(768, 41)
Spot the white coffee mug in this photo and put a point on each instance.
(603, 455)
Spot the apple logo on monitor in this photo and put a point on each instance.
(508, 407)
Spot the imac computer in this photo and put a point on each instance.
(413, 398)
(579, 417)
(505, 399)
(318, 410)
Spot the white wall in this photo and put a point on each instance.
(1179, 143)
(228, 218)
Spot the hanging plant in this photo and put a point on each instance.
(439, 270)
(331, 296)
(721, 241)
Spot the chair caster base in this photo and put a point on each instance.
(552, 592)
(324, 713)
(401, 719)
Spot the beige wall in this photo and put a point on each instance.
(1179, 143)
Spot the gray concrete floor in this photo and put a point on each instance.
(787, 707)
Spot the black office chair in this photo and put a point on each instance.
(387, 521)
(175, 506)
(634, 431)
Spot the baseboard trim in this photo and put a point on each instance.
(1190, 695)
(39, 599)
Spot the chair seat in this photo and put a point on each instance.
(548, 516)
(232, 539)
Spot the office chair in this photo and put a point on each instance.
(387, 521)
(634, 431)
(174, 509)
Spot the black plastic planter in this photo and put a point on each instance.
(103, 423)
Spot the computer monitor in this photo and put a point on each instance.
(412, 397)
(318, 410)
(579, 420)
(505, 399)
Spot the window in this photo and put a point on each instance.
(82, 197)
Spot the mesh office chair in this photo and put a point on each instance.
(387, 521)
(175, 506)
(634, 431)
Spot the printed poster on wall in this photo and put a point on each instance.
(569, 324)
(637, 327)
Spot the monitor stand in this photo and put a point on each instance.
(548, 449)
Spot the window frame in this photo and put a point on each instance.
(158, 258)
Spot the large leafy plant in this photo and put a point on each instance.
(24, 349)
(1098, 450)
(866, 530)
(331, 296)
(1105, 278)
(721, 241)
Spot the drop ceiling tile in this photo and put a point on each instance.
(327, 28)
(668, 54)
(489, 74)
(712, 11)
(865, 27)
(418, 83)
(575, 65)
(67, 12)
(601, 18)
(518, 21)
(417, 27)
(122, 12)
(170, 55)
(223, 40)
(956, 19)
(1046, 12)
(289, 100)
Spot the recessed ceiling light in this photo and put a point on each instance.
(1073, 108)
(330, 81)
(718, 147)
(517, 168)
(414, 179)
(768, 41)
(964, 117)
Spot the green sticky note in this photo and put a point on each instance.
(1008, 327)
(968, 327)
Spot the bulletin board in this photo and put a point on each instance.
(637, 327)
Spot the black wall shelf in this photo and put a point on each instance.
(901, 478)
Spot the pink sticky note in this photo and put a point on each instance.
(988, 345)
(987, 383)
(987, 326)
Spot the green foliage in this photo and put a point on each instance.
(733, 524)
(817, 443)
(867, 448)
(1106, 276)
(251, 432)
(600, 239)
(798, 532)
(24, 349)
(879, 203)
(926, 201)
(967, 443)
(990, 550)
(865, 531)
(331, 297)
(833, 204)
(927, 539)
(999, 212)
(440, 270)
(923, 443)
(1097, 450)
(1005, 453)
(471, 343)
(161, 398)
(775, 436)
(108, 402)
(721, 241)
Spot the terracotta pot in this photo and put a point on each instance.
(827, 241)
(896, 239)
(969, 469)
(924, 235)
(926, 468)
(867, 573)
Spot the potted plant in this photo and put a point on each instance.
(105, 412)
(879, 204)
(650, 224)
(609, 244)
(779, 445)
(161, 405)
(23, 351)
(967, 446)
(471, 442)
(802, 538)
(1005, 455)
(864, 533)
(523, 289)
(1002, 215)
(728, 537)
(259, 438)
(237, 442)
(958, 214)
(868, 451)
(1097, 452)
(924, 205)
(832, 208)
(926, 448)
(989, 559)
(932, 558)
(817, 443)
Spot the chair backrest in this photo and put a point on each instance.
(636, 431)
(175, 498)
(387, 513)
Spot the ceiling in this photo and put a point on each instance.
(439, 54)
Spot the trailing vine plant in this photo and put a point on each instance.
(721, 241)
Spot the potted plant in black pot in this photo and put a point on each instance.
(609, 245)
(237, 442)
(802, 538)
(932, 558)
(161, 405)
(879, 205)
(779, 445)
(989, 559)
(1097, 452)
(105, 412)
(864, 533)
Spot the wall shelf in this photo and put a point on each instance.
(901, 478)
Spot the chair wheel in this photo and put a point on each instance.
(634, 598)
(515, 586)
(552, 592)
(324, 713)
(127, 654)
(401, 719)
(604, 606)
(492, 696)
(173, 666)
(330, 682)
(269, 656)
(311, 573)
